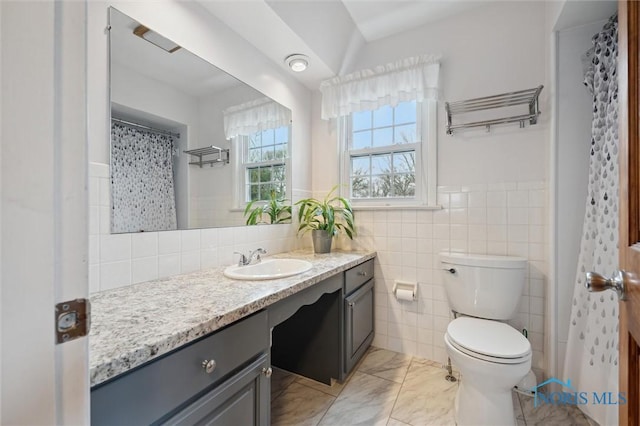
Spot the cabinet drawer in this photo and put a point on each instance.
(148, 393)
(357, 276)
(243, 399)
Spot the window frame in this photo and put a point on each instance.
(425, 154)
(241, 167)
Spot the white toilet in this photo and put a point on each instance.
(491, 355)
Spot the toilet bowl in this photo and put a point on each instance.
(490, 368)
(492, 357)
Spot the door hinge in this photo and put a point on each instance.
(73, 320)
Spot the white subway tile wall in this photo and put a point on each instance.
(117, 260)
(504, 219)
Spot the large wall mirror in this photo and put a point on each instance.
(191, 145)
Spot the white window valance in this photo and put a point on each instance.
(409, 79)
(254, 116)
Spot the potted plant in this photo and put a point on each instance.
(325, 219)
(276, 209)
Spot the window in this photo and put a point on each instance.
(264, 164)
(389, 155)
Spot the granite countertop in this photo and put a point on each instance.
(132, 325)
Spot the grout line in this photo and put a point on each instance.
(327, 410)
(400, 390)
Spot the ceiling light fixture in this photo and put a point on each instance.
(297, 62)
(155, 39)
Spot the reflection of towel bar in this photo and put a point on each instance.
(143, 127)
(223, 155)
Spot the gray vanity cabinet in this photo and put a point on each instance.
(358, 313)
(241, 400)
(221, 379)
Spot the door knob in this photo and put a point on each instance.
(618, 282)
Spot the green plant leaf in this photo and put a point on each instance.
(332, 214)
(276, 209)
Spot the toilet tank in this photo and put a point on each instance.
(483, 286)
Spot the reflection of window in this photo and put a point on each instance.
(264, 164)
(387, 154)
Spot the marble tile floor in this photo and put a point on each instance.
(392, 389)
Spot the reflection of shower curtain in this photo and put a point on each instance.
(591, 360)
(141, 180)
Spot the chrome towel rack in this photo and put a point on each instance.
(222, 155)
(528, 97)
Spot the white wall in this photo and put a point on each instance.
(572, 174)
(150, 96)
(117, 260)
(487, 51)
(492, 186)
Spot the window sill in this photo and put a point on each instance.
(395, 207)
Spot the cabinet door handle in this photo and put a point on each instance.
(267, 372)
(209, 366)
(362, 273)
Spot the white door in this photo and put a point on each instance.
(43, 209)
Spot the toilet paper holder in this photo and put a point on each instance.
(405, 290)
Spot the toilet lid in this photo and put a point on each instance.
(489, 338)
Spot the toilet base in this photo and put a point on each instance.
(473, 408)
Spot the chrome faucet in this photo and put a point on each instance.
(254, 257)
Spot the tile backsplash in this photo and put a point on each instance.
(117, 260)
(501, 219)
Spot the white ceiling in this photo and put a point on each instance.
(180, 69)
(379, 19)
(330, 32)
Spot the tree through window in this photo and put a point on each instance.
(265, 167)
(382, 150)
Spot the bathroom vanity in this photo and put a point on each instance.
(199, 347)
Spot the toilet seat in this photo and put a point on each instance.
(491, 341)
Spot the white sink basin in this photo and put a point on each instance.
(268, 269)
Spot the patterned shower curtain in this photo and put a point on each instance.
(591, 360)
(142, 195)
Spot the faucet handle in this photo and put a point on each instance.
(243, 259)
